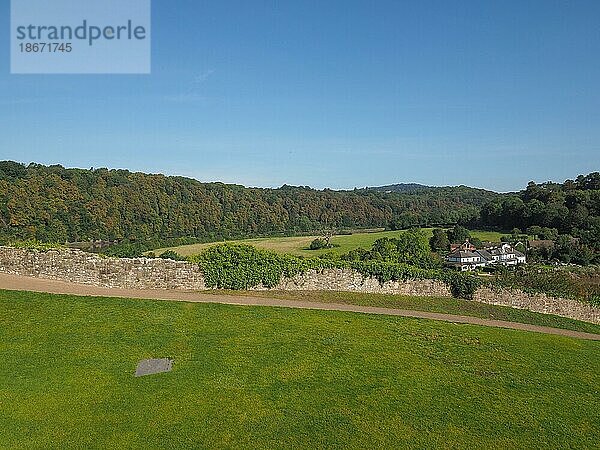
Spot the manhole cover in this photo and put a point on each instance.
(152, 366)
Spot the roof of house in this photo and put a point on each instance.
(502, 251)
(462, 254)
(484, 254)
(464, 246)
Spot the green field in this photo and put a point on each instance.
(259, 377)
(299, 245)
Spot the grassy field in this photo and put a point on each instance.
(299, 245)
(445, 305)
(258, 377)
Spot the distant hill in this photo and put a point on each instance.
(52, 203)
(400, 187)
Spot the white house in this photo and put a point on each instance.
(506, 255)
(464, 260)
(467, 258)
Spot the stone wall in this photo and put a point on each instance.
(147, 273)
(87, 268)
(143, 273)
(352, 281)
(539, 303)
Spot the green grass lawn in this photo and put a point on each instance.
(259, 377)
(446, 305)
(299, 245)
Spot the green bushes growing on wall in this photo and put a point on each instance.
(462, 285)
(235, 266)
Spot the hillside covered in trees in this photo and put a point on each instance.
(551, 210)
(55, 204)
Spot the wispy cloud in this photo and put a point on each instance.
(193, 93)
(202, 77)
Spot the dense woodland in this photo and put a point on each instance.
(54, 204)
(553, 211)
(59, 205)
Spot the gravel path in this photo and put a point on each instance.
(15, 282)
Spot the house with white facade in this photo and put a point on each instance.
(506, 255)
(466, 257)
(464, 260)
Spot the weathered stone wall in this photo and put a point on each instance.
(147, 273)
(352, 281)
(539, 303)
(87, 268)
(143, 273)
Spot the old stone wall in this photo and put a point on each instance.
(145, 273)
(539, 303)
(80, 267)
(352, 281)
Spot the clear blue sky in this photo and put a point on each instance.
(331, 94)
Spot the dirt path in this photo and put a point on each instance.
(15, 282)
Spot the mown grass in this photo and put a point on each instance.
(259, 377)
(299, 245)
(445, 305)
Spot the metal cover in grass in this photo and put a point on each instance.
(153, 366)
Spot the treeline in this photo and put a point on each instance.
(55, 204)
(552, 211)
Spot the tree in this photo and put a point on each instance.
(458, 234)
(564, 248)
(550, 234)
(476, 242)
(12, 170)
(439, 242)
(535, 231)
(327, 235)
(386, 249)
(318, 244)
(413, 245)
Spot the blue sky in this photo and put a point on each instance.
(331, 94)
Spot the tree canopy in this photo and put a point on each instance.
(550, 209)
(54, 204)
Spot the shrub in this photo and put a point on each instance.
(318, 244)
(388, 271)
(170, 254)
(126, 250)
(237, 266)
(462, 285)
